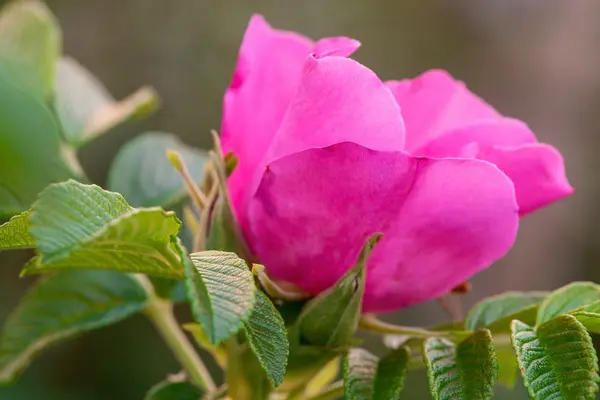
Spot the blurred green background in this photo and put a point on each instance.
(537, 60)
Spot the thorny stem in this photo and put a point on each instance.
(160, 313)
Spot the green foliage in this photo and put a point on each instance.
(465, 371)
(14, 234)
(31, 152)
(331, 318)
(30, 44)
(86, 109)
(221, 290)
(496, 312)
(589, 316)
(557, 359)
(61, 306)
(360, 367)
(174, 391)
(566, 299)
(142, 173)
(367, 377)
(83, 226)
(267, 337)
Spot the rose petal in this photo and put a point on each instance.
(537, 171)
(486, 133)
(339, 100)
(336, 46)
(443, 220)
(269, 68)
(435, 102)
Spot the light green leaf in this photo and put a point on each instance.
(496, 312)
(142, 173)
(391, 372)
(267, 337)
(30, 44)
(221, 290)
(31, 153)
(557, 360)
(567, 299)
(360, 368)
(61, 306)
(507, 366)
(15, 233)
(174, 391)
(86, 109)
(83, 226)
(467, 371)
(331, 318)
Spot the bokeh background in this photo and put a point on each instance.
(537, 60)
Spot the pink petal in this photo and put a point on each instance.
(537, 171)
(486, 133)
(269, 68)
(336, 46)
(339, 100)
(435, 102)
(443, 220)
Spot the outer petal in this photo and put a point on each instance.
(537, 171)
(339, 100)
(269, 69)
(434, 103)
(443, 220)
(487, 133)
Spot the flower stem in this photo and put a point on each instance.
(160, 312)
(371, 323)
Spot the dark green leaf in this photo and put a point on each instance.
(360, 368)
(15, 233)
(467, 371)
(30, 44)
(496, 313)
(31, 153)
(558, 360)
(267, 337)
(391, 371)
(175, 391)
(567, 299)
(83, 226)
(221, 290)
(142, 173)
(331, 318)
(86, 109)
(61, 306)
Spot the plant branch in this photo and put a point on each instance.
(160, 312)
(371, 323)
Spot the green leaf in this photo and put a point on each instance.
(391, 372)
(589, 316)
(175, 391)
(267, 337)
(467, 371)
(360, 368)
(496, 312)
(30, 44)
(61, 306)
(221, 290)
(507, 366)
(86, 109)
(83, 226)
(15, 233)
(31, 153)
(557, 360)
(331, 318)
(142, 173)
(566, 299)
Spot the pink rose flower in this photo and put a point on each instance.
(329, 154)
